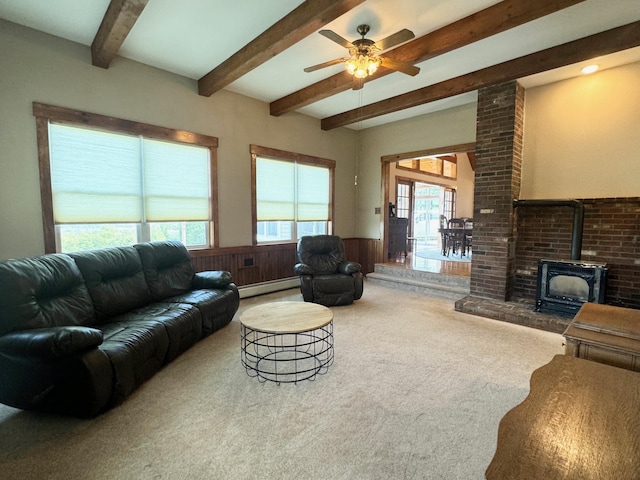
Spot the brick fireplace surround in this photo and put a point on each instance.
(508, 241)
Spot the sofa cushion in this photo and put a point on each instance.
(217, 307)
(167, 268)
(335, 289)
(115, 280)
(182, 322)
(136, 350)
(44, 291)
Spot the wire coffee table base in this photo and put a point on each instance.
(287, 342)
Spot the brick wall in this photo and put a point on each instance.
(497, 182)
(611, 235)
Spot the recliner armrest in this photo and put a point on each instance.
(303, 269)
(349, 268)
(50, 343)
(212, 279)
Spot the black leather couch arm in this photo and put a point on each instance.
(349, 267)
(212, 279)
(303, 269)
(49, 343)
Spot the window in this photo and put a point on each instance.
(105, 185)
(293, 195)
(404, 198)
(441, 166)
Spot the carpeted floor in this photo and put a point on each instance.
(416, 392)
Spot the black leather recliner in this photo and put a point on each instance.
(326, 277)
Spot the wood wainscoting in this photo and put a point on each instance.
(264, 263)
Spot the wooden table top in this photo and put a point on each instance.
(580, 421)
(286, 317)
(623, 322)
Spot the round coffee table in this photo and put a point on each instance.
(286, 342)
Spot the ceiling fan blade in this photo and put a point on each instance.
(331, 35)
(405, 68)
(395, 39)
(324, 64)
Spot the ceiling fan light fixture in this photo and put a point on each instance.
(360, 66)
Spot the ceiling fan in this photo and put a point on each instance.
(364, 58)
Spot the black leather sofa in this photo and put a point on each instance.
(79, 332)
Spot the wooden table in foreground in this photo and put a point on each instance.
(286, 342)
(581, 421)
(605, 334)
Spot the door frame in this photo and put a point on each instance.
(386, 161)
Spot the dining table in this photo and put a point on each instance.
(461, 235)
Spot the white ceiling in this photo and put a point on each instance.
(191, 37)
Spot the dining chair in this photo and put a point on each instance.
(468, 234)
(444, 235)
(456, 236)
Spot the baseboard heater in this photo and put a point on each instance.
(268, 287)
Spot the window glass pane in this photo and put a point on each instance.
(95, 176)
(74, 238)
(192, 234)
(274, 231)
(311, 228)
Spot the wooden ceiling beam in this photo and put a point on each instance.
(309, 17)
(118, 20)
(485, 23)
(604, 43)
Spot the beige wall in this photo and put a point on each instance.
(42, 68)
(582, 137)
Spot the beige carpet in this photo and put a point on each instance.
(416, 392)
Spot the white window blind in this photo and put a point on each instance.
(275, 190)
(176, 182)
(290, 191)
(313, 193)
(95, 176)
(104, 177)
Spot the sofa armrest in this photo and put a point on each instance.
(212, 279)
(302, 269)
(50, 343)
(349, 268)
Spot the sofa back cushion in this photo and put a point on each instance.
(167, 267)
(115, 280)
(44, 291)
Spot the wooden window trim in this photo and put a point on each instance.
(49, 113)
(266, 152)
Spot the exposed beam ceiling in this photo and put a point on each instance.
(300, 23)
(116, 24)
(260, 49)
(490, 21)
(610, 41)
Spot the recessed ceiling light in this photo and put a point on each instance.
(589, 69)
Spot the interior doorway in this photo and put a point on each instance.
(421, 201)
(422, 204)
